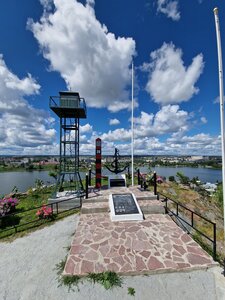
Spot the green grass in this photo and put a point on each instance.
(208, 248)
(107, 279)
(60, 266)
(69, 281)
(131, 291)
(35, 224)
(24, 221)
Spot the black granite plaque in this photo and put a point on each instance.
(117, 182)
(124, 204)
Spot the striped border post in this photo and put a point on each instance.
(98, 163)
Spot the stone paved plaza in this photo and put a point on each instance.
(154, 245)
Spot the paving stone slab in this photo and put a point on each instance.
(154, 245)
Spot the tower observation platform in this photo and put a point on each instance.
(68, 105)
(70, 108)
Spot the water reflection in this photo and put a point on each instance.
(24, 180)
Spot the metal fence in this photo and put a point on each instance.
(178, 210)
(25, 219)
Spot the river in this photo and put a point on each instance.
(25, 180)
(204, 174)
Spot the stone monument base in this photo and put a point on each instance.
(116, 180)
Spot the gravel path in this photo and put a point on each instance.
(27, 272)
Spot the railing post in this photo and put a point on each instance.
(57, 208)
(86, 186)
(177, 210)
(214, 241)
(138, 174)
(155, 184)
(192, 219)
(145, 185)
(141, 180)
(166, 210)
(89, 177)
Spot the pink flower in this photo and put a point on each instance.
(45, 212)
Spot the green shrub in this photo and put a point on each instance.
(172, 178)
(183, 179)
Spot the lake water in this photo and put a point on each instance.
(24, 180)
(204, 174)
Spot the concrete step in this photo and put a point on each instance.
(96, 199)
(65, 205)
(106, 198)
(147, 207)
(94, 207)
(151, 207)
(147, 197)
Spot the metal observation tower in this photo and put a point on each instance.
(70, 108)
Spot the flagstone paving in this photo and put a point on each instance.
(154, 245)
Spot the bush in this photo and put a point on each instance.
(172, 178)
(183, 179)
(45, 212)
(7, 205)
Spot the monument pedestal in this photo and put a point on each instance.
(116, 180)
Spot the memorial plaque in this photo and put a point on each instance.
(124, 207)
(124, 204)
(117, 182)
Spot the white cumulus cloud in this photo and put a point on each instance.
(169, 120)
(169, 8)
(204, 120)
(114, 122)
(86, 128)
(22, 125)
(120, 134)
(169, 80)
(89, 58)
(199, 144)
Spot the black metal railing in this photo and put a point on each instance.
(176, 212)
(143, 182)
(20, 220)
(54, 102)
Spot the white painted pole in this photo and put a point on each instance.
(132, 126)
(220, 64)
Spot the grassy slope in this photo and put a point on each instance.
(31, 200)
(201, 203)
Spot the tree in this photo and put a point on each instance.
(172, 178)
(195, 180)
(53, 174)
(182, 178)
(38, 184)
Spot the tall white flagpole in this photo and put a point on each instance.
(132, 126)
(220, 64)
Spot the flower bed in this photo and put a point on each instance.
(8, 205)
(45, 213)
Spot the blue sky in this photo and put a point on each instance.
(87, 46)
